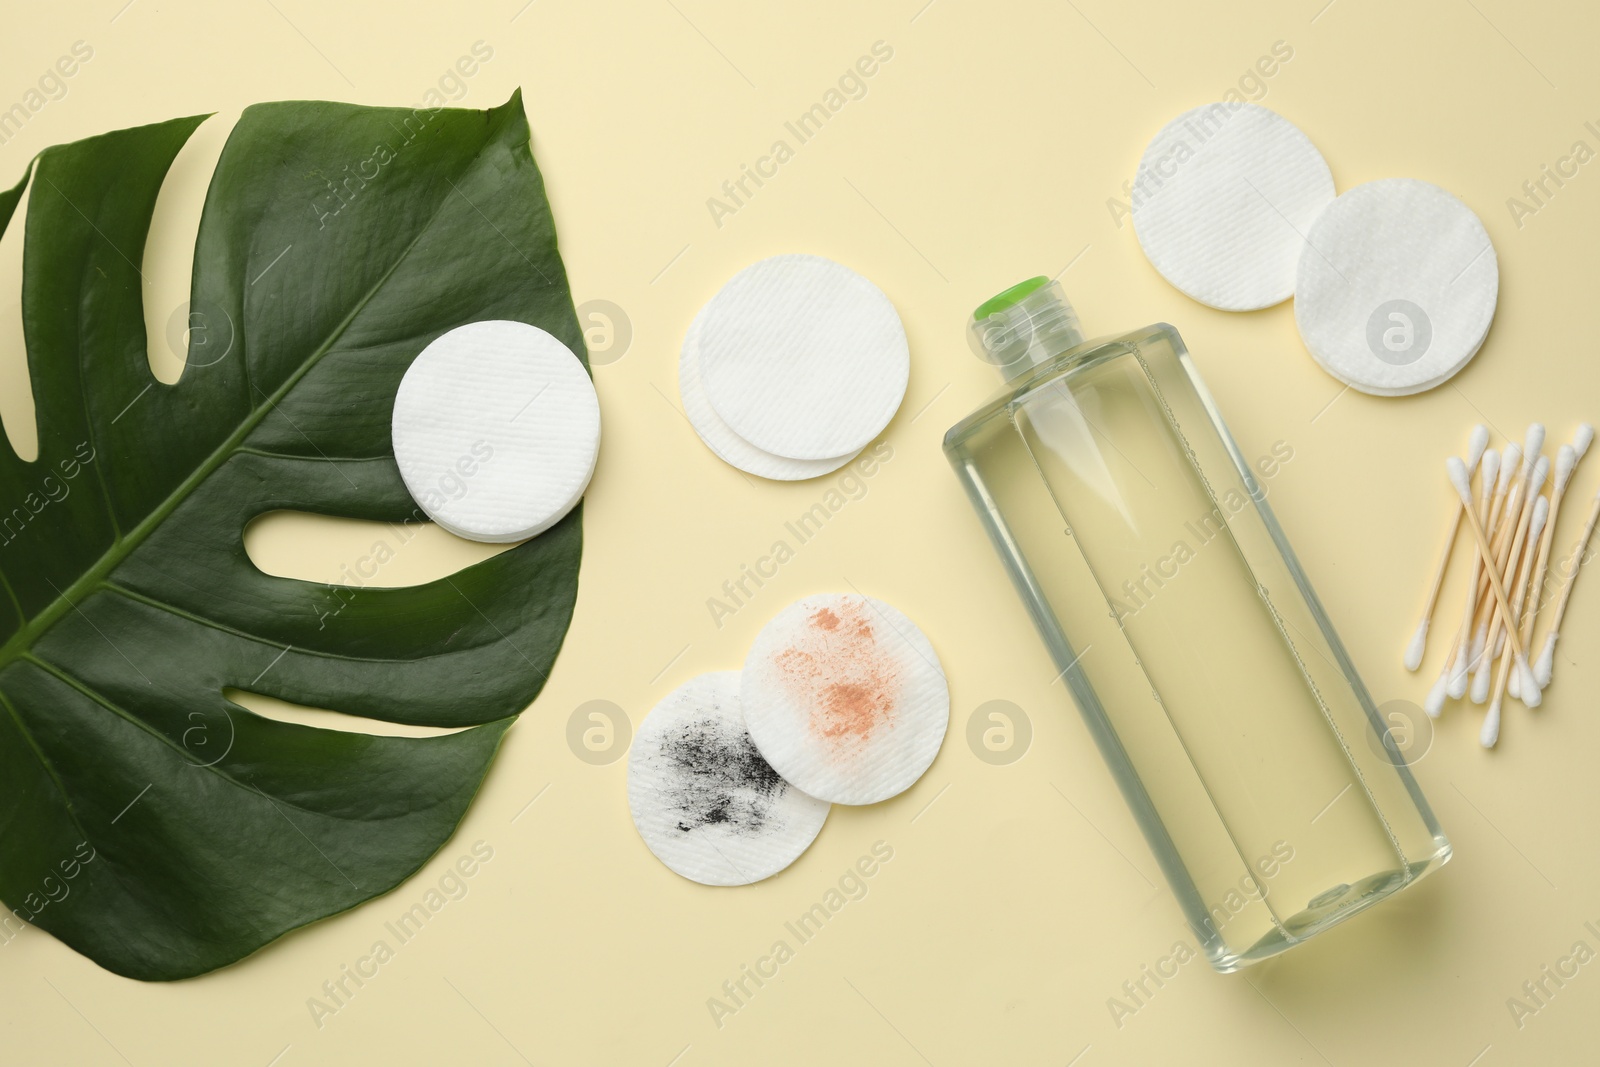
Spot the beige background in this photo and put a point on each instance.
(1020, 897)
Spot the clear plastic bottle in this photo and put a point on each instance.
(1139, 537)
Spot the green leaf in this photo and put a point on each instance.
(145, 819)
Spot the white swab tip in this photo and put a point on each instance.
(1457, 676)
(1491, 468)
(1509, 461)
(1545, 666)
(1419, 643)
(1541, 515)
(1533, 442)
(1434, 703)
(1541, 471)
(1566, 460)
(1490, 734)
(1530, 695)
(1460, 479)
(1476, 444)
(1582, 438)
(1480, 682)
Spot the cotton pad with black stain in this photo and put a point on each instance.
(704, 800)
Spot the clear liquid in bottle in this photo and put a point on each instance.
(1205, 668)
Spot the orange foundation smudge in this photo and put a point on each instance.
(837, 670)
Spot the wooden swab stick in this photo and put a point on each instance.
(1547, 657)
(1490, 485)
(1509, 552)
(1419, 639)
(1532, 445)
(1566, 461)
(1477, 589)
(1522, 546)
(1458, 478)
(1510, 555)
(1491, 723)
(1581, 439)
(1540, 523)
(1506, 510)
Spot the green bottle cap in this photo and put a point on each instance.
(1010, 297)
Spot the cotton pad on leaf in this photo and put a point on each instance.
(721, 439)
(1397, 287)
(702, 797)
(496, 430)
(1223, 198)
(845, 697)
(803, 357)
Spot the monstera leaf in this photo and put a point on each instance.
(145, 819)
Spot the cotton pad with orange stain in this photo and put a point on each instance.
(845, 697)
(836, 667)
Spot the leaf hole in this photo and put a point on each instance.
(169, 252)
(355, 552)
(16, 388)
(322, 719)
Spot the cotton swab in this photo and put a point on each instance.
(1566, 462)
(1513, 523)
(1455, 661)
(1478, 588)
(1533, 441)
(1475, 628)
(1525, 546)
(1574, 562)
(1522, 601)
(1458, 478)
(1491, 723)
(1419, 640)
(1582, 437)
(1511, 554)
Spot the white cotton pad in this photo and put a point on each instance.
(1223, 199)
(702, 797)
(496, 430)
(845, 697)
(803, 357)
(1397, 287)
(721, 439)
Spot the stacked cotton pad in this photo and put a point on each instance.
(1221, 193)
(1397, 286)
(1395, 282)
(793, 367)
(841, 701)
(496, 429)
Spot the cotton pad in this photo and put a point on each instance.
(1224, 196)
(803, 357)
(496, 430)
(721, 439)
(1397, 287)
(845, 697)
(702, 797)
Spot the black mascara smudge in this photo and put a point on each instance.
(722, 779)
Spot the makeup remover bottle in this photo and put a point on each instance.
(1270, 789)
